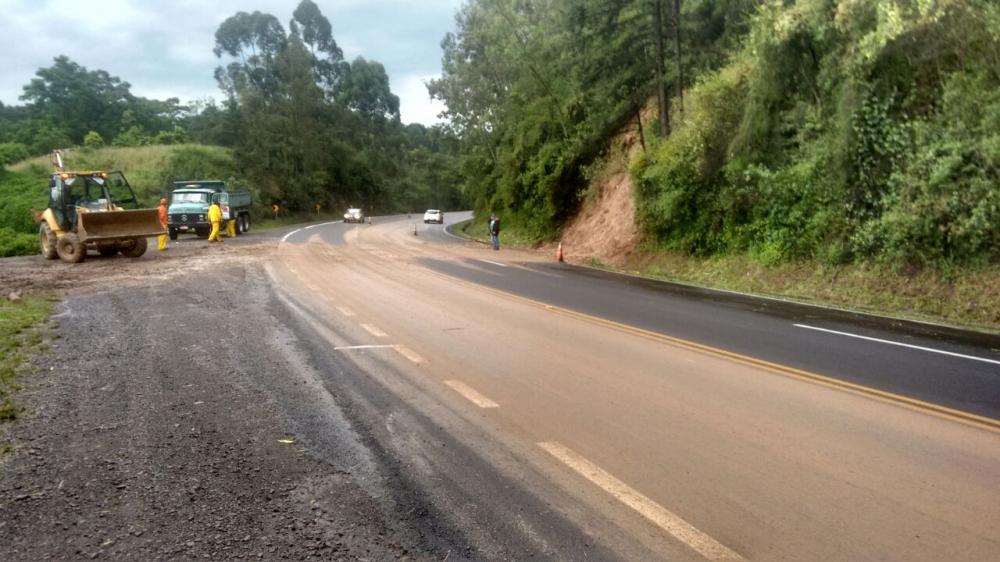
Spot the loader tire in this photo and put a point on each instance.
(134, 248)
(70, 249)
(48, 241)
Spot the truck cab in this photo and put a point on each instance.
(188, 210)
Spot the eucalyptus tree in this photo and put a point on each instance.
(71, 99)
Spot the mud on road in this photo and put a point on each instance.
(163, 424)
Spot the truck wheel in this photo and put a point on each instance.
(201, 232)
(48, 241)
(70, 249)
(134, 248)
(173, 234)
(246, 224)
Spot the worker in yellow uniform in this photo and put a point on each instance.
(162, 239)
(231, 227)
(215, 217)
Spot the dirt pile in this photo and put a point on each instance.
(604, 230)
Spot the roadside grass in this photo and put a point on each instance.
(21, 337)
(967, 299)
(284, 220)
(476, 231)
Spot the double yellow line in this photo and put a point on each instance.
(966, 418)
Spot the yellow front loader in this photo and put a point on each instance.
(87, 211)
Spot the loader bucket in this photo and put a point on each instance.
(119, 225)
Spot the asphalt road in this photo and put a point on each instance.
(578, 414)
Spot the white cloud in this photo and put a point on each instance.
(164, 49)
(415, 105)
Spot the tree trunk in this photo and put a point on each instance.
(678, 82)
(661, 86)
(638, 120)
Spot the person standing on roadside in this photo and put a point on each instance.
(231, 224)
(162, 239)
(495, 230)
(215, 217)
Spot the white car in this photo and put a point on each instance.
(354, 215)
(434, 215)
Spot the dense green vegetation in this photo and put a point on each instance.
(838, 130)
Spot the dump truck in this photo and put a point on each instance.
(189, 202)
(93, 211)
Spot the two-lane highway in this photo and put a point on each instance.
(573, 414)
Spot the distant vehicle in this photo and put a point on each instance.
(354, 215)
(434, 215)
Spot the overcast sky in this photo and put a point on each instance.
(163, 48)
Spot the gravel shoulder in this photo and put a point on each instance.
(159, 428)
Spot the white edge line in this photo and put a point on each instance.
(494, 263)
(345, 311)
(471, 394)
(942, 352)
(291, 233)
(657, 514)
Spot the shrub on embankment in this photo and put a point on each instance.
(843, 131)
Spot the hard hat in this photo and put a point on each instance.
(163, 201)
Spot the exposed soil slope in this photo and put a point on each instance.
(605, 230)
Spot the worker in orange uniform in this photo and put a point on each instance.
(215, 217)
(162, 239)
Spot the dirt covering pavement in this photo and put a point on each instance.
(162, 425)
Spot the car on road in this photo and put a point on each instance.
(354, 215)
(434, 215)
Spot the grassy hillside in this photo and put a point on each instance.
(149, 169)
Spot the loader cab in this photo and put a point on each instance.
(89, 191)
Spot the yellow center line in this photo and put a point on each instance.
(966, 418)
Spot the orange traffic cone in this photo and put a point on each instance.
(559, 256)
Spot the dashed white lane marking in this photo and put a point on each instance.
(373, 330)
(346, 347)
(669, 522)
(406, 352)
(942, 352)
(293, 270)
(313, 287)
(494, 263)
(471, 395)
(345, 311)
(326, 298)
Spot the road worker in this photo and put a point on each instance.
(162, 239)
(215, 217)
(231, 227)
